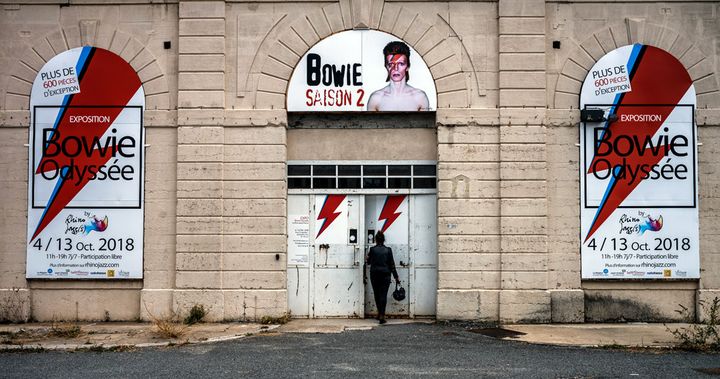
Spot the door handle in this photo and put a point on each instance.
(403, 264)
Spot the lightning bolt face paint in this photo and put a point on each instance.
(639, 215)
(85, 216)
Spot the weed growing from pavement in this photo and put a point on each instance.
(168, 326)
(284, 319)
(702, 336)
(64, 330)
(197, 313)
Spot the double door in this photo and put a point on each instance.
(329, 237)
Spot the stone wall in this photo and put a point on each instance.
(506, 145)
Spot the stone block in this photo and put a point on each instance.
(199, 225)
(189, 81)
(468, 225)
(201, 99)
(85, 304)
(254, 225)
(198, 262)
(469, 279)
(457, 171)
(574, 71)
(211, 300)
(202, 9)
(150, 72)
(16, 305)
(524, 280)
(254, 171)
(456, 99)
(255, 153)
(454, 82)
(469, 244)
(256, 117)
(304, 29)
(525, 306)
(256, 135)
(522, 25)
(333, 15)
(567, 306)
(201, 63)
(319, 23)
(200, 153)
(200, 135)
(156, 304)
(522, 61)
(255, 207)
(524, 244)
(201, 45)
(254, 189)
(638, 304)
(524, 225)
(199, 243)
(158, 279)
(199, 171)
(448, 67)
(521, 8)
(199, 189)
(523, 170)
(271, 84)
(523, 207)
(468, 207)
(468, 152)
(511, 152)
(254, 279)
(254, 243)
(254, 261)
(519, 79)
(199, 207)
(480, 305)
(198, 280)
(202, 27)
(448, 263)
(522, 44)
(269, 100)
(522, 98)
(201, 117)
(253, 305)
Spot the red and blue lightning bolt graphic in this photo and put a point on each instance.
(389, 211)
(655, 79)
(107, 84)
(327, 212)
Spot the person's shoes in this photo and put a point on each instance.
(382, 321)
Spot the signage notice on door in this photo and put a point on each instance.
(299, 238)
(85, 172)
(638, 168)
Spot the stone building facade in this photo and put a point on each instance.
(508, 75)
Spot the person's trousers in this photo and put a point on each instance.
(380, 284)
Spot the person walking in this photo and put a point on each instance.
(382, 265)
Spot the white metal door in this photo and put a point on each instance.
(424, 257)
(389, 214)
(336, 277)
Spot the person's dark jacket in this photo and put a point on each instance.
(381, 260)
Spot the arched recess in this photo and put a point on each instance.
(585, 54)
(281, 50)
(40, 50)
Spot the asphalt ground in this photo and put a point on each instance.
(445, 350)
